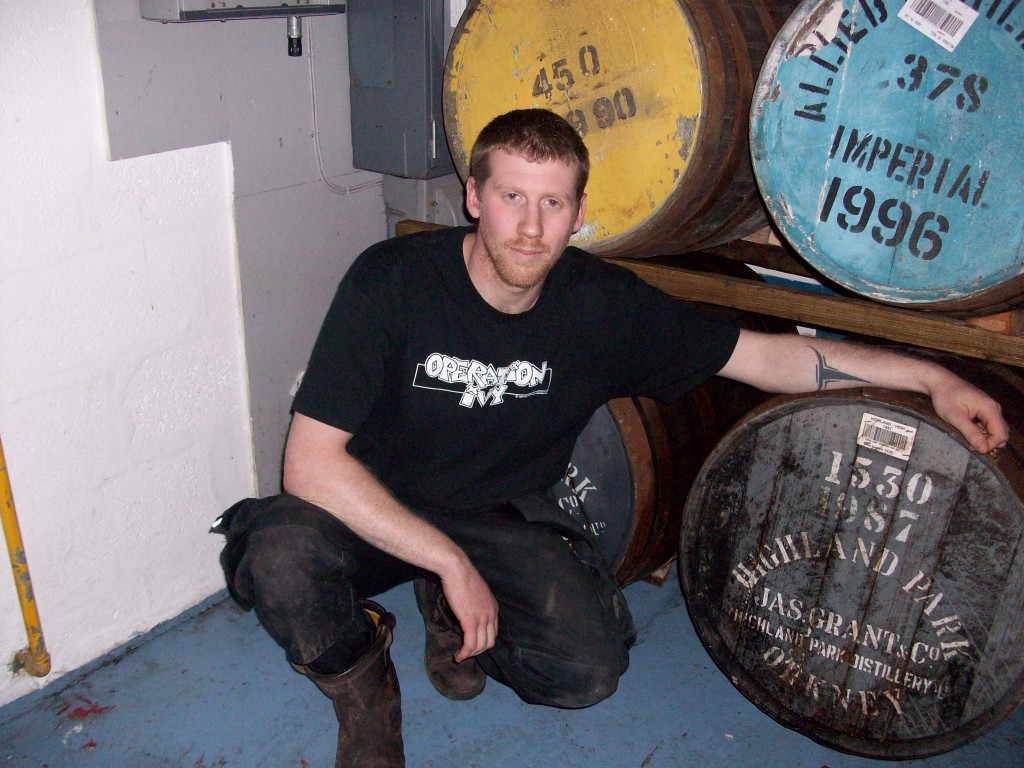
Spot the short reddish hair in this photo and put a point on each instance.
(535, 134)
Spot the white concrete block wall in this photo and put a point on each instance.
(123, 401)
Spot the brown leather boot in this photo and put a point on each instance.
(456, 681)
(367, 702)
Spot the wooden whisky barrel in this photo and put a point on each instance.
(632, 468)
(612, 483)
(856, 570)
(660, 92)
(886, 141)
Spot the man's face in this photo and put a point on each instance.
(526, 212)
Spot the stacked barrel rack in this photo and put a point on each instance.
(848, 562)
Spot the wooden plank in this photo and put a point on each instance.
(410, 226)
(835, 312)
(1011, 322)
(782, 258)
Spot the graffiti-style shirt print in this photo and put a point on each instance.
(478, 383)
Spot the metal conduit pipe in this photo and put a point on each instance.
(35, 659)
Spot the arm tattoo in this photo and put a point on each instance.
(826, 374)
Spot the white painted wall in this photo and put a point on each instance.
(168, 86)
(123, 405)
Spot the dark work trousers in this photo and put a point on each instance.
(564, 630)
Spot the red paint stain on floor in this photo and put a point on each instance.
(201, 762)
(81, 712)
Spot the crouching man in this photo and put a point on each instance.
(453, 373)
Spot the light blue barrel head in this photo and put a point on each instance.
(887, 143)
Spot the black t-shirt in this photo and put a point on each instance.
(455, 405)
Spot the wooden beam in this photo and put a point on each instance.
(783, 259)
(914, 327)
(410, 226)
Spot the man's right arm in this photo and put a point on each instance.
(319, 469)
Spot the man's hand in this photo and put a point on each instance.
(474, 606)
(978, 417)
(319, 469)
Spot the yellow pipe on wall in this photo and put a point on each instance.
(35, 659)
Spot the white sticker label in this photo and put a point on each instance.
(889, 437)
(455, 11)
(944, 21)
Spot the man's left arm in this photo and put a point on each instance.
(790, 363)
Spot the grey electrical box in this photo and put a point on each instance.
(396, 51)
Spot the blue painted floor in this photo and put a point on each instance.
(213, 690)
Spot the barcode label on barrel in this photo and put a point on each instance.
(944, 21)
(887, 436)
